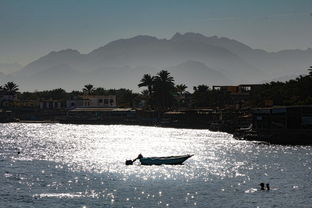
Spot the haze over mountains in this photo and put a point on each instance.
(191, 58)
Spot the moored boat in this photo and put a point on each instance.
(171, 160)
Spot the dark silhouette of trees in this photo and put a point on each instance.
(26, 96)
(182, 96)
(145, 96)
(55, 94)
(201, 88)
(99, 91)
(293, 92)
(181, 89)
(125, 97)
(201, 96)
(204, 97)
(11, 88)
(147, 81)
(88, 89)
(76, 93)
(163, 90)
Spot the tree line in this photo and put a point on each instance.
(162, 94)
(293, 92)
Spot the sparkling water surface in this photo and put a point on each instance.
(84, 166)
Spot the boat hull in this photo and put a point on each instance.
(172, 160)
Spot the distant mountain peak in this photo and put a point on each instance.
(138, 38)
(65, 51)
(187, 36)
(144, 37)
(130, 42)
(212, 40)
(197, 59)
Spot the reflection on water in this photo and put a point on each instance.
(84, 165)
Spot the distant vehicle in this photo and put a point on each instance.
(171, 160)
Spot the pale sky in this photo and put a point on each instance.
(30, 29)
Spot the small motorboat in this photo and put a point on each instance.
(171, 160)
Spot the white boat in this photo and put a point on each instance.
(171, 160)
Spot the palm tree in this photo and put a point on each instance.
(201, 96)
(201, 88)
(164, 77)
(88, 89)
(145, 93)
(164, 89)
(147, 81)
(11, 88)
(181, 89)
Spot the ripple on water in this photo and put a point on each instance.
(84, 164)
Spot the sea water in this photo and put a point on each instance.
(56, 165)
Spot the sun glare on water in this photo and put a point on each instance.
(105, 148)
(87, 163)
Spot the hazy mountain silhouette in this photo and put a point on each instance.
(191, 57)
(283, 78)
(203, 74)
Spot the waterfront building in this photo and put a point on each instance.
(92, 101)
(51, 104)
(286, 124)
(242, 89)
(238, 94)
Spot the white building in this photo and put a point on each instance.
(93, 101)
(51, 104)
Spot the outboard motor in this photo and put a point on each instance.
(129, 162)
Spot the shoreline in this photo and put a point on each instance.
(171, 125)
(201, 127)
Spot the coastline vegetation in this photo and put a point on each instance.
(163, 94)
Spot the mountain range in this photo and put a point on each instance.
(191, 58)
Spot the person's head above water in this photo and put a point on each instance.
(261, 186)
(268, 186)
